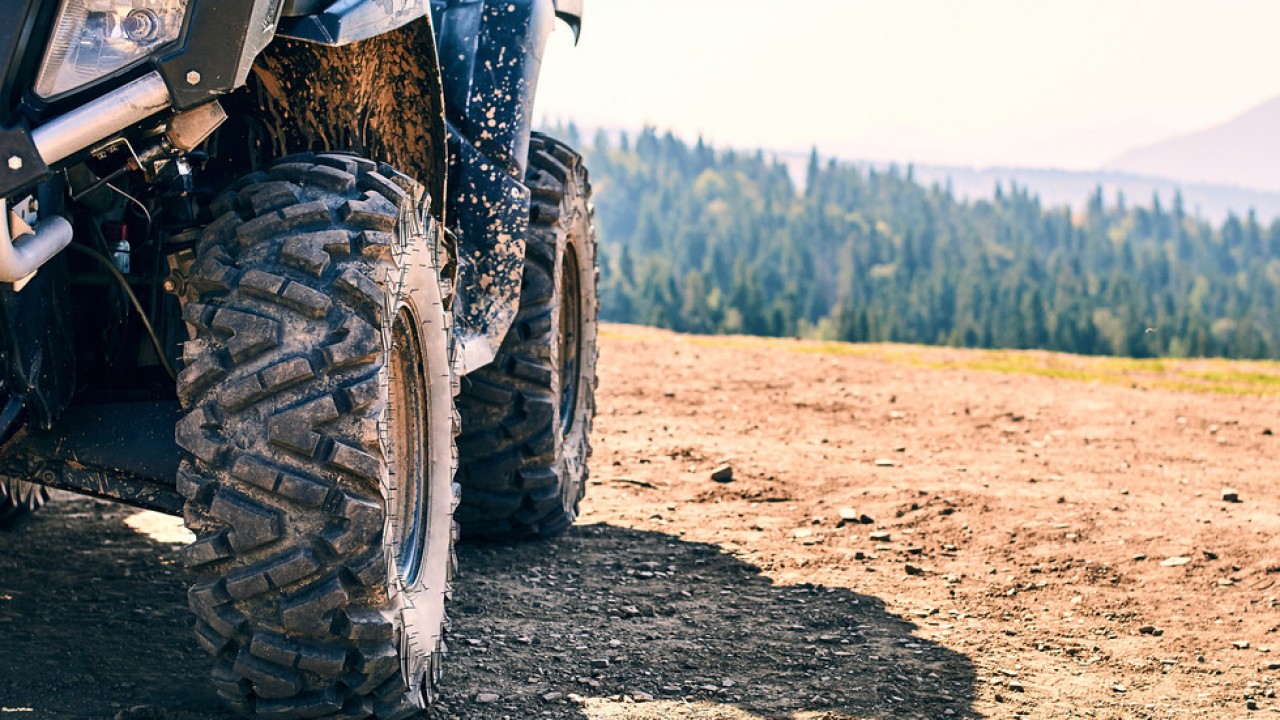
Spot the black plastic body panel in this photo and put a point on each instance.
(570, 11)
(15, 142)
(345, 22)
(16, 32)
(222, 40)
(38, 354)
(491, 54)
(120, 451)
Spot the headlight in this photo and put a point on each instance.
(94, 38)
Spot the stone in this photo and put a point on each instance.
(1241, 644)
(141, 712)
(1230, 495)
(487, 698)
(723, 474)
(884, 463)
(553, 696)
(880, 536)
(1175, 561)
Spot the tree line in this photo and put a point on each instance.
(718, 241)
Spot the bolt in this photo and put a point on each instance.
(193, 77)
(15, 162)
(170, 285)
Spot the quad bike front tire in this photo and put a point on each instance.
(320, 429)
(526, 418)
(19, 499)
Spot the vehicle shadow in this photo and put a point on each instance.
(93, 620)
(583, 626)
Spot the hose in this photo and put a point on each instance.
(133, 299)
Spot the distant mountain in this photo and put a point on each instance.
(1244, 152)
(1062, 187)
(1056, 188)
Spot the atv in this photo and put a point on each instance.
(299, 272)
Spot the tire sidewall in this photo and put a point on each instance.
(574, 236)
(421, 606)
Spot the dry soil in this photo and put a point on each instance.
(907, 533)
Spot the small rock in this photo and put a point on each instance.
(553, 696)
(141, 712)
(641, 696)
(1009, 673)
(1273, 666)
(880, 536)
(1015, 686)
(802, 533)
(1150, 630)
(1241, 644)
(1175, 561)
(600, 663)
(848, 515)
(1251, 704)
(487, 698)
(915, 550)
(1119, 688)
(1230, 495)
(829, 638)
(867, 520)
(723, 474)
(884, 462)
(913, 570)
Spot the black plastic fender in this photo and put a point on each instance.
(491, 56)
(348, 21)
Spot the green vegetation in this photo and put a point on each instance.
(707, 241)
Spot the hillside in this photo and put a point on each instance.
(1244, 152)
(701, 240)
(1042, 539)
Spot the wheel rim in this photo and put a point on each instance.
(407, 425)
(570, 339)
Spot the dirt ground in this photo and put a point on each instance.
(1032, 547)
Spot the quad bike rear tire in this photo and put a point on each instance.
(19, 499)
(526, 418)
(320, 429)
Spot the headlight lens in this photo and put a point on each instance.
(94, 38)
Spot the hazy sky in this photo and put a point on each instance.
(1067, 84)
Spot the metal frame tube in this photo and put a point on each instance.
(22, 256)
(92, 122)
